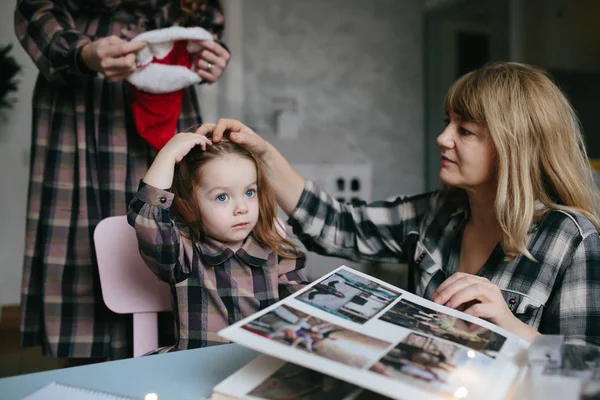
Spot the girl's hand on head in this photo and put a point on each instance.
(112, 56)
(479, 296)
(181, 144)
(238, 133)
(160, 173)
(211, 61)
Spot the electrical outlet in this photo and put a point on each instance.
(346, 182)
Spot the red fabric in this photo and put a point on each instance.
(177, 56)
(156, 115)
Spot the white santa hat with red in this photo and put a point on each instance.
(166, 66)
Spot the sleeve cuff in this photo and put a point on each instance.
(222, 43)
(79, 66)
(299, 215)
(152, 195)
(74, 42)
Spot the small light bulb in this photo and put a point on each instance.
(461, 393)
(151, 396)
(471, 354)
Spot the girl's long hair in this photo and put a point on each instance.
(541, 157)
(186, 208)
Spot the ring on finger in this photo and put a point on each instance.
(209, 66)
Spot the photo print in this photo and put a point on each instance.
(426, 320)
(293, 382)
(349, 296)
(428, 363)
(302, 331)
(579, 361)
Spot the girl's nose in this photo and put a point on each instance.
(241, 208)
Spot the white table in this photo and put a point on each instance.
(183, 375)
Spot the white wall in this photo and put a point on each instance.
(355, 68)
(15, 138)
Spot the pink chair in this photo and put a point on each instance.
(128, 285)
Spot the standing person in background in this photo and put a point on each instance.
(86, 156)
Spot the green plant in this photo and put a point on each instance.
(9, 68)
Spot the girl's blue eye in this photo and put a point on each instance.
(250, 193)
(464, 132)
(221, 198)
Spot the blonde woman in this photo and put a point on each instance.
(513, 235)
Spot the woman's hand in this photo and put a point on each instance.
(284, 180)
(112, 57)
(479, 297)
(238, 133)
(160, 173)
(211, 61)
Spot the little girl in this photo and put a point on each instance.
(212, 237)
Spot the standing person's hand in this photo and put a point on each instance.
(211, 61)
(111, 56)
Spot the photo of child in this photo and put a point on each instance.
(302, 331)
(349, 296)
(423, 319)
(426, 362)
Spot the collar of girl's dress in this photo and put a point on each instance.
(216, 253)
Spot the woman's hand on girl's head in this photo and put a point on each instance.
(181, 144)
(238, 133)
(285, 181)
(212, 60)
(111, 56)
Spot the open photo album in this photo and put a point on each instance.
(351, 336)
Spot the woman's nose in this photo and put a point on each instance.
(445, 139)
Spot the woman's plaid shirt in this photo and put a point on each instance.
(558, 294)
(211, 286)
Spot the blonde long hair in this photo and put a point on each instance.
(186, 208)
(541, 159)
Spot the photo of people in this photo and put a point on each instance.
(302, 331)
(293, 382)
(423, 319)
(426, 362)
(580, 361)
(349, 296)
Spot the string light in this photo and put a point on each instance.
(461, 393)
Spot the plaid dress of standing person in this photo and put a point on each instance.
(86, 162)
